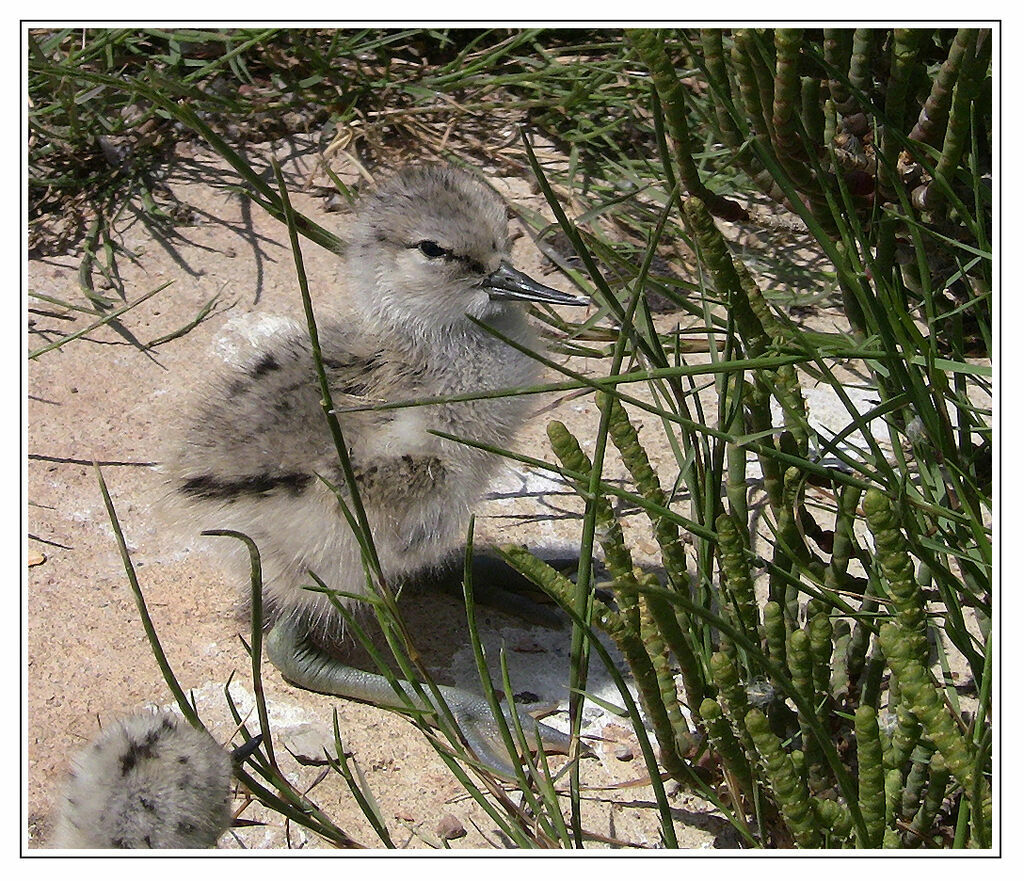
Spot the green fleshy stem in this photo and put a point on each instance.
(926, 703)
(657, 651)
(608, 529)
(726, 275)
(786, 116)
(788, 393)
(800, 667)
(934, 117)
(938, 780)
(775, 633)
(789, 790)
(898, 569)
(718, 77)
(905, 736)
(634, 457)
(726, 745)
(917, 780)
(836, 819)
(651, 49)
(870, 775)
(734, 697)
(819, 629)
(739, 585)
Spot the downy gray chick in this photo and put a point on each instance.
(148, 781)
(430, 251)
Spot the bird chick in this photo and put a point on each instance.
(148, 781)
(428, 255)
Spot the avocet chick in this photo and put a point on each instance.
(429, 254)
(148, 781)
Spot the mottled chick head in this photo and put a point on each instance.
(432, 246)
(148, 781)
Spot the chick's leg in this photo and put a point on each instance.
(305, 664)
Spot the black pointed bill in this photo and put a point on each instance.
(508, 283)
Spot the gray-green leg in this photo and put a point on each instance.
(307, 665)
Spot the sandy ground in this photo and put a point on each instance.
(103, 398)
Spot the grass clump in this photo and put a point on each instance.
(872, 552)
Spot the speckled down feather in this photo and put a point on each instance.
(256, 444)
(148, 781)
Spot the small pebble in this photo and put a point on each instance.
(450, 828)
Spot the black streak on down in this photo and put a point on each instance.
(208, 487)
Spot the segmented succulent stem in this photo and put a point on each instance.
(838, 46)
(790, 549)
(608, 530)
(787, 106)
(819, 629)
(625, 583)
(657, 650)
(718, 78)
(893, 789)
(798, 656)
(750, 91)
(904, 738)
(758, 403)
(870, 775)
(839, 680)
(835, 821)
(775, 632)
(690, 667)
(649, 688)
(731, 421)
(789, 790)
(896, 565)
(785, 103)
(787, 391)
(925, 701)
(812, 110)
(917, 779)
(905, 45)
(800, 666)
(967, 89)
(634, 457)
(726, 275)
(736, 475)
(760, 48)
(931, 124)
(830, 123)
(734, 698)
(726, 744)
(860, 641)
(739, 587)
(861, 58)
(938, 780)
(871, 679)
(651, 48)
(843, 542)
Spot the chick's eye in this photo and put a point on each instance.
(432, 250)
